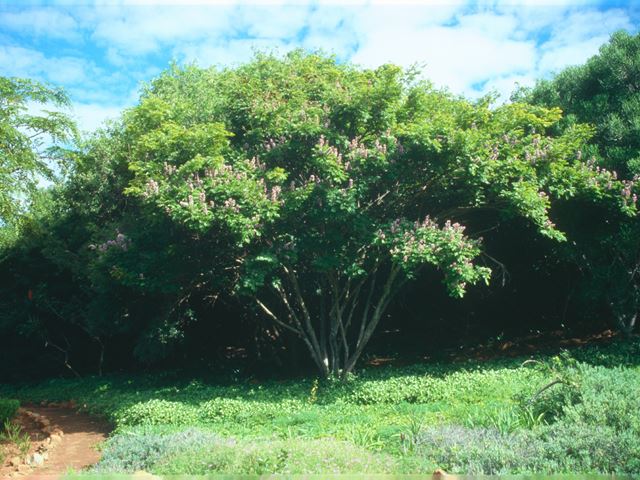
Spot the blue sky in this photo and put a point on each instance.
(101, 52)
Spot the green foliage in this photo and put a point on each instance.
(561, 448)
(13, 434)
(276, 457)
(505, 418)
(604, 93)
(157, 412)
(135, 451)
(245, 410)
(8, 409)
(312, 191)
(465, 418)
(29, 142)
(606, 398)
(332, 186)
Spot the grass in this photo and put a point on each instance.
(11, 433)
(464, 417)
(8, 409)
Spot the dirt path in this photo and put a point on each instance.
(76, 447)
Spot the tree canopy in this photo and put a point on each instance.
(335, 186)
(29, 140)
(605, 93)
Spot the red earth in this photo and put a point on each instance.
(74, 449)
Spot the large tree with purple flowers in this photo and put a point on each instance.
(334, 186)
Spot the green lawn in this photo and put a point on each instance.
(467, 417)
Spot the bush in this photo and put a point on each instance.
(608, 397)
(463, 386)
(133, 451)
(293, 457)
(8, 409)
(552, 449)
(157, 412)
(232, 409)
(589, 449)
(477, 451)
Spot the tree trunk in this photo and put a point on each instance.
(327, 327)
(627, 323)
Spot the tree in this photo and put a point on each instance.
(332, 187)
(29, 142)
(605, 92)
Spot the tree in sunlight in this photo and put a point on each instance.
(31, 140)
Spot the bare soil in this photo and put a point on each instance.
(67, 438)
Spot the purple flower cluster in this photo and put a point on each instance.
(169, 169)
(539, 152)
(358, 149)
(231, 204)
(603, 175)
(151, 188)
(121, 242)
(256, 164)
(272, 143)
(275, 193)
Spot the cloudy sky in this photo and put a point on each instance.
(101, 53)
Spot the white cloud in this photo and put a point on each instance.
(505, 86)
(42, 22)
(459, 56)
(579, 37)
(84, 82)
(472, 49)
(491, 25)
(332, 30)
(227, 53)
(584, 24)
(91, 116)
(488, 48)
(287, 28)
(269, 22)
(561, 56)
(26, 62)
(136, 30)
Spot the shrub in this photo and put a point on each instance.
(8, 409)
(477, 451)
(140, 450)
(232, 409)
(504, 417)
(584, 448)
(608, 397)
(295, 456)
(157, 412)
(552, 449)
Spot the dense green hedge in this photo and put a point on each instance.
(8, 409)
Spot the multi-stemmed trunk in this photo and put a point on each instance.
(627, 323)
(338, 317)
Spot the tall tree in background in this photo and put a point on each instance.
(605, 92)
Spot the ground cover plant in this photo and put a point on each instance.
(491, 417)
